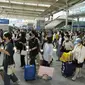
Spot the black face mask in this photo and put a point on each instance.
(67, 40)
(33, 38)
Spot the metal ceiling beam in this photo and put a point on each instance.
(14, 8)
(14, 5)
(20, 14)
(47, 2)
(18, 10)
(57, 9)
(73, 2)
(55, 6)
(19, 17)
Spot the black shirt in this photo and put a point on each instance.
(34, 43)
(8, 60)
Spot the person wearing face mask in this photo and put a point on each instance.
(78, 57)
(33, 47)
(8, 60)
(21, 45)
(67, 44)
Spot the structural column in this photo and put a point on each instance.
(78, 25)
(72, 28)
(67, 13)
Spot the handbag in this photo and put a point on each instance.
(1, 68)
(24, 52)
(2, 72)
(43, 70)
(11, 69)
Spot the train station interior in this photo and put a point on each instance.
(51, 23)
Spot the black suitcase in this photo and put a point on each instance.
(68, 69)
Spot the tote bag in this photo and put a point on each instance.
(46, 71)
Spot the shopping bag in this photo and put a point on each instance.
(66, 56)
(11, 69)
(24, 52)
(2, 72)
(45, 71)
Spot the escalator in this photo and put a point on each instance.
(53, 24)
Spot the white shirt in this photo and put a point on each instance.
(79, 53)
(27, 36)
(54, 36)
(68, 45)
(48, 52)
(60, 39)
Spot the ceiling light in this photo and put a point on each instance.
(5, 7)
(44, 5)
(4, 1)
(56, 0)
(30, 4)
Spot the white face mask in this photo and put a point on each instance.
(66, 38)
(20, 34)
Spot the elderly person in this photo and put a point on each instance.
(78, 57)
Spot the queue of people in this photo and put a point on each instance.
(47, 41)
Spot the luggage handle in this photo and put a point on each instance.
(27, 51)
(27, 57)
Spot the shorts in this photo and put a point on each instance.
(79, 65)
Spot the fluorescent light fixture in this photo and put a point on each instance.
(30, 4)
(16, 2)
(44, 5)
(57, 0)
(4, 1)
(41, 10)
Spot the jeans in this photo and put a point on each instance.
(6, 79)
(32, 60)
(22, 58)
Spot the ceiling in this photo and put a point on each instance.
(31, 9)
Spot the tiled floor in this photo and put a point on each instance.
(58, 79)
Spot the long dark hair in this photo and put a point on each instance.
(9, 36)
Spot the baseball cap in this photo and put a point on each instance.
(78, 40)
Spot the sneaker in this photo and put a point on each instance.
(74, 78)
(79, 76)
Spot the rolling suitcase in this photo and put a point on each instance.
(29, 71)
(67, 69)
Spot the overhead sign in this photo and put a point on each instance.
(4, 21)
(79, 26)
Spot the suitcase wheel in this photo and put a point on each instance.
(26, 80)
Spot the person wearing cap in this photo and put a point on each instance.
(78, 57)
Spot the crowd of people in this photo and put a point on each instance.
(41, 45)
